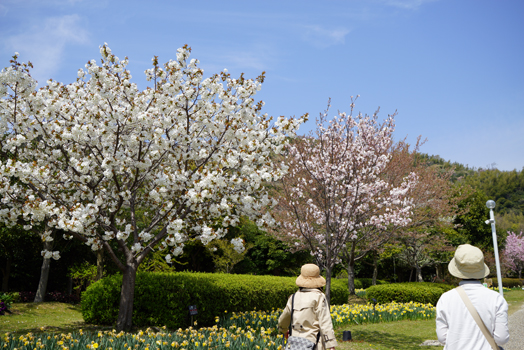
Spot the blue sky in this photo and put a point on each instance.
(453, 70)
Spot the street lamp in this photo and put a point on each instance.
(491, 205)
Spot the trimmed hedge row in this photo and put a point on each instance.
(422, 292)
(509, 282)
(164, 298)
(368, 282)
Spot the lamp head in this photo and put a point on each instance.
(490, 204)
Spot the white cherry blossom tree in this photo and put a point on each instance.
(87, 157)
(335, 193)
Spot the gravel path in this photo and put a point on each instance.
(516, 331)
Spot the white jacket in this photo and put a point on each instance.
(456, 327)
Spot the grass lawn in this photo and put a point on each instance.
(392, 335)
(406, 334)
(31, 317)
(515, 299)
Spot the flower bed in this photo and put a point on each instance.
(252, 329)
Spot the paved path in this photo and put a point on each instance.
(516, 331)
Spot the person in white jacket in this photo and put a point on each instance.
(456, 327)
(311, 315)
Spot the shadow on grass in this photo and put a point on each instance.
(389, 340)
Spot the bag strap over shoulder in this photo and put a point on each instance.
(476, 317)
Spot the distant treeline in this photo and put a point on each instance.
(506, 188)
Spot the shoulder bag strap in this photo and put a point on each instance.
(476, 317)
(292, 308)
(318, 338)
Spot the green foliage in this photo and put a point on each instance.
(510, 221)
(471, 224)
(267, 255)
(264, 255)
(8, 299)
(100, 301)
(460, 170)
(361, 283)
(156, 262)
(506, 188)
(164, 298)
(225, 257)
(343, 276)
(83, 275)
(508, 282)
(421, 292)
(368, 282)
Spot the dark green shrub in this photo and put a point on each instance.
(6, 299)
(508, 282)
(101, 299)
(422, 292)
(164, 298)
(344, 281)
(368, 282)
(361, 283)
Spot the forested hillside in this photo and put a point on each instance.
(506, 188)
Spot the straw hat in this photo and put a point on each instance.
(310, 277)
(468, 263)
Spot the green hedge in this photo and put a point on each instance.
(361, 283)
(508, 282)
(422, 292)
(368, 282)
(164, 298)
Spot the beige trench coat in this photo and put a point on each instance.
(310, 316)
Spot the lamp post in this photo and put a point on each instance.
(491, 205)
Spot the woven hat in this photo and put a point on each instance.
(468, 263)
(310, 277)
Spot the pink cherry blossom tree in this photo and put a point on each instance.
(335, 194)
(514, 252)
(90, 156)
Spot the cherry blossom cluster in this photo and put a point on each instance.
(514, 252)
(90, 157)
(336, 191)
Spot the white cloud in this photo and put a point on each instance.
(3, 10)
(44, 43)
(258, 57)
(322, 38)
(407, 4)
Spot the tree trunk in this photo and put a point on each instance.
(127, 294)
(99, 264)
(351, 277)
(70, 286)
(6, 271)
(351, 269)
(375, 269)
(438, 274)
(44, 276)
(419, 274)
(394, 271)
(328, 284)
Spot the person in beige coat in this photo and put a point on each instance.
(311, 311)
